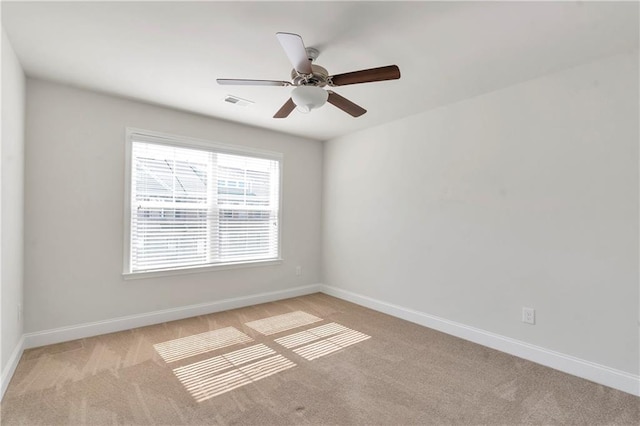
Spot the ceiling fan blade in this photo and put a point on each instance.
(345, 104)
(296, 52)
(390, 72)
(286, 109)
(243, 82)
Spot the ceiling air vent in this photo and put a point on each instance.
(238, 101)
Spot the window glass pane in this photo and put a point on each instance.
(246, 234)
(169, 236)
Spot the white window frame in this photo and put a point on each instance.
(189, 142)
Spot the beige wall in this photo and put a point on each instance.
(526, 196)
(11, 199)
(74, 210)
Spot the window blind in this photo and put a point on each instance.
(193, 207)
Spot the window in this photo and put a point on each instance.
(195, 204)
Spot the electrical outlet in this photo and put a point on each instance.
(298, 270)
(528, 315)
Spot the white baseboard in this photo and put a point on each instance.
(64, 334)
(10, 368)
(601, 374)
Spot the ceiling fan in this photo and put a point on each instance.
(310, 79)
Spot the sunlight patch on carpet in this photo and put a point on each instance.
(207, 379)
(331, 344)
(185, 347)
(203, 369)
(284, 322)
(310, 335)
(327, 338)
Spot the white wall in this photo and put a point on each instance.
(527, 196)
(11, 199)
(74, 210)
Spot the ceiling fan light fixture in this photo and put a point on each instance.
(307, 98)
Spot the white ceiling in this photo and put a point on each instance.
(170, 53)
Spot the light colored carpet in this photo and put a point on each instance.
(352, 366)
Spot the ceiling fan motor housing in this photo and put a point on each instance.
(319, 77)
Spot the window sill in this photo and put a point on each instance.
(199, 269)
